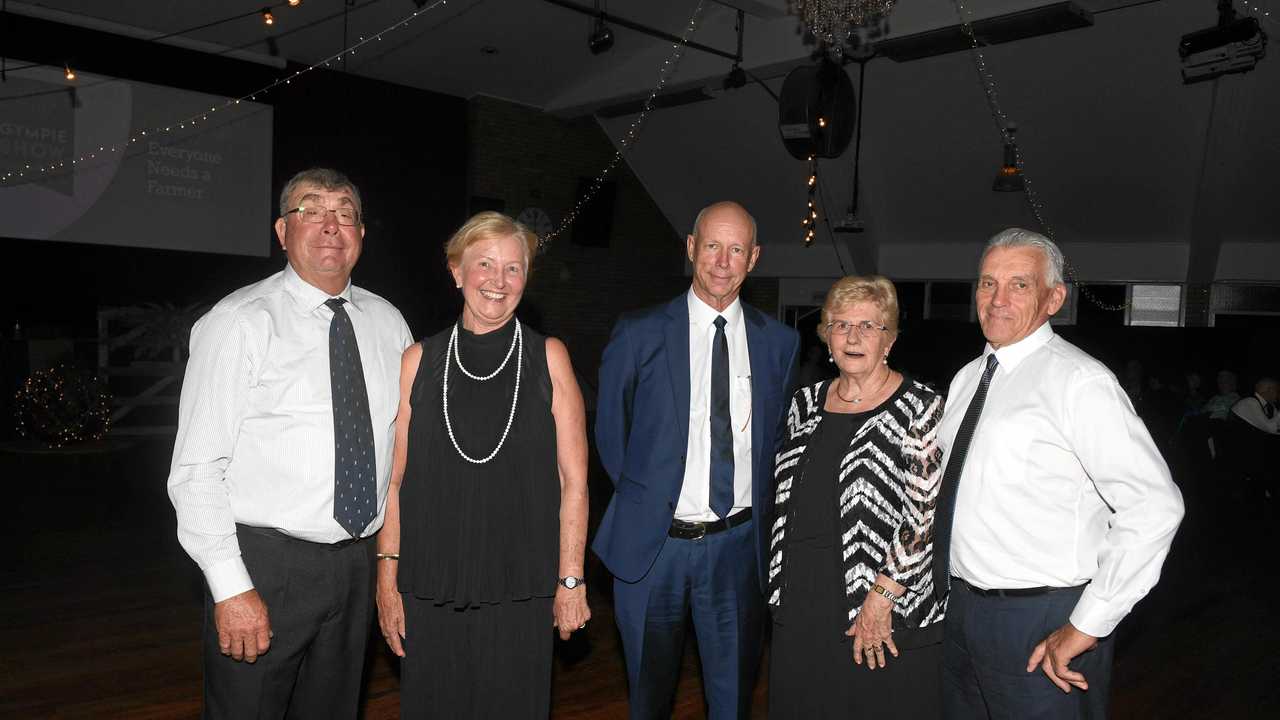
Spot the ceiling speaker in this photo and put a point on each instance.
(817, 110)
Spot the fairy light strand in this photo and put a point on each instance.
(633, 131)
(1002, 124)
(30, 174)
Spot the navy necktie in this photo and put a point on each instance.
(355, 499)
(943, 516)
(721, 425)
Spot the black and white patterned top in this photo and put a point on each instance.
(887, 489)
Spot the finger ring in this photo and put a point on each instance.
(583, 625)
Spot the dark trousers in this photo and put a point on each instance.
(716, 579)
(984, 659)
(320, 603)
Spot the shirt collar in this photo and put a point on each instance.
(1010, 355)
(703, 315)
(308, 296)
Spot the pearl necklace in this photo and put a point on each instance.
(517, 347)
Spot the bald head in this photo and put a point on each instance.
(725, 212)
(722, 248)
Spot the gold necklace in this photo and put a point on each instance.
(858, 399)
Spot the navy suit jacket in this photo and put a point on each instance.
(642, 427)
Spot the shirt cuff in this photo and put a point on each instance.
(1093, 616)
(228, 579)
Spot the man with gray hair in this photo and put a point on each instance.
(1056, 510)
(281, 465)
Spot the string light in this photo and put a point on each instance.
(28, 174)
(633, 131)
(267, 17)
(295, 3)
(810, 222)
(1260, 13)
(70, 74)
(1002, 124)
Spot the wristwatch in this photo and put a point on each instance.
(882, 590)
(572, 582)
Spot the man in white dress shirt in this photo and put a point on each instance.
(283, 548)
(1056, 506)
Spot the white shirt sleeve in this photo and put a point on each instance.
(214, 393)
(1130, 475)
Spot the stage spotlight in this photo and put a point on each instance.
(736, 78)
(601, 39)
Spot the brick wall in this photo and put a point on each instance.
(523, 157)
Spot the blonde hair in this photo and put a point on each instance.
(486, 226)
(853, 289)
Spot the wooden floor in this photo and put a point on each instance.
(100, 613)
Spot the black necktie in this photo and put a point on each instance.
(355, 499)
(946, 509)
(721, 425)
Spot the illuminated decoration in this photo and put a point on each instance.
(1009, 176)
(295, 3)
(31, 174)
(267, 17)
(832, 22)
(1006, 137)
(62, 406)
(70, 74)
(810, 222)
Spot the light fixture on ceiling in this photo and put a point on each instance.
(267, 17)
(1009, 176)
(70, 74)
(601, 39)
(832, 22)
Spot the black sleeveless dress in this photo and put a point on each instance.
(479, 543)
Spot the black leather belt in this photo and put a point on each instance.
(685, 530)
(1011, 592)
(276, 534)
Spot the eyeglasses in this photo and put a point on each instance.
(865, 328)
(316, 214)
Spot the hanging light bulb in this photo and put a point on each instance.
(71, 74)
(295, 3)
(1009, 176)
(267, 17)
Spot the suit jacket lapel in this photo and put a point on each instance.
(678, 359)
(761, 373)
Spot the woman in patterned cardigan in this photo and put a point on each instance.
(851, 556)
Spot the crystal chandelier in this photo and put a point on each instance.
(831, 22)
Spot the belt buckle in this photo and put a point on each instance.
(702, 531)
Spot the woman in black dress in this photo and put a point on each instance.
(850, 571)
(482, 549)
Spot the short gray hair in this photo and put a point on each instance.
(323, 178)
(1018, 237)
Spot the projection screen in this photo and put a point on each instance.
(202, 186)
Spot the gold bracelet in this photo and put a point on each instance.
(387, 556)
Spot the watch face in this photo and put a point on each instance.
(570, 582)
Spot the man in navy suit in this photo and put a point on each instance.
(692, 393)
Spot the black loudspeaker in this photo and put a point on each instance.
(594, 225)
(817, 111)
